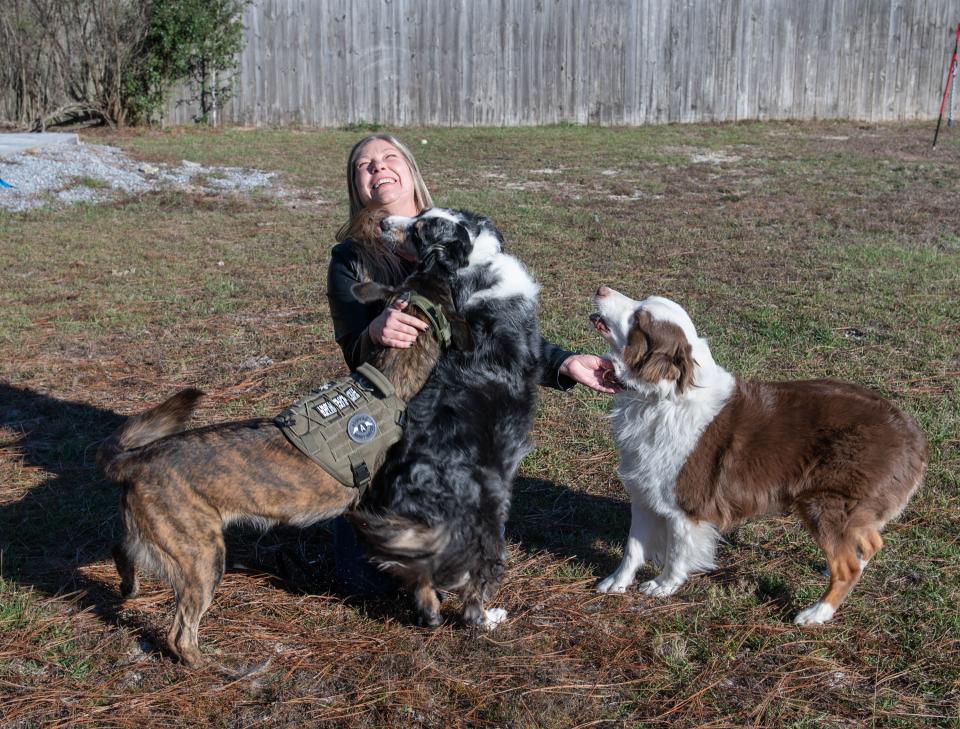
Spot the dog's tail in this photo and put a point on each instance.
(393, 537)
(165, 419)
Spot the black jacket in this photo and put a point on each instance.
(351, 318)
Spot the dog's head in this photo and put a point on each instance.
(446, 239)
(430, 281)
(654, 346)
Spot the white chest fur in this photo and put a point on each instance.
(655, 436)
(512, 278)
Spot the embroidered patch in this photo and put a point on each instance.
(326, 409)
(353, 394)
(361, 428)
(340, 401)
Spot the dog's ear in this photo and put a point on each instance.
(421, 226)
(659, 366)
(461, 334)
(638, 341)
(673, 362)
(668, 355)
(457, 245)
(369, 292)
(683, 360)
(676, 364)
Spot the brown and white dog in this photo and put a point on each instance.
(701, 451)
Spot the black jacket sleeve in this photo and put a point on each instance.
(553, 359)
(351, 319)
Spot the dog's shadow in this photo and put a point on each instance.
(69, 519)
(569, 524)
(591, 530)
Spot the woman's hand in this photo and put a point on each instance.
(590, 370)
(393, 328)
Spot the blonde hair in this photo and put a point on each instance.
(363, 226)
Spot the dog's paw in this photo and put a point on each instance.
(429, 619)
(816, 614)
(612, 585)
(492, 617)
(657, 588)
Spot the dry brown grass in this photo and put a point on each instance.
(801, 249)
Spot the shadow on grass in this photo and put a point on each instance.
(546, 516)
(71, 518)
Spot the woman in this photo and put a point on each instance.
(383, 177)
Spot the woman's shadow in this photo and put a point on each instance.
(70, 518)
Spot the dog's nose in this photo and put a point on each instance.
(603, 291)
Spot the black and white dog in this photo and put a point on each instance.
(437, 509)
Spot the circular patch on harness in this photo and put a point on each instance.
(361, 428)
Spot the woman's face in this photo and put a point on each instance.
(384, 179)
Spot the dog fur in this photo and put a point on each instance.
(437, 509)
(701, 451)
(181, 489)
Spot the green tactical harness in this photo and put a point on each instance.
(346, 425)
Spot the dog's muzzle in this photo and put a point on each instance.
(599, 324)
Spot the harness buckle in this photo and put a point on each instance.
(361, 476)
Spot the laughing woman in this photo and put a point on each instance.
(383, 177)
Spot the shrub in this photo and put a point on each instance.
(116, 60)
(61, 59)
(187, 40)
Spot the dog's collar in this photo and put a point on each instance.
(435, 317)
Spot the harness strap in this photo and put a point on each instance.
(361, 477)
(435, 317)
(347, 425)
(377, 378)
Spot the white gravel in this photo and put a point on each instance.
(70, 174)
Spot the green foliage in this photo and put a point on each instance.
(196, 41)
(94, 183)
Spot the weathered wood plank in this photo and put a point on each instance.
(523, 62)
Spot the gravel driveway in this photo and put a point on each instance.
(68, 174)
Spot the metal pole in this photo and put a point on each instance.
(951, 70)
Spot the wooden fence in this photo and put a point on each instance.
(619, 62)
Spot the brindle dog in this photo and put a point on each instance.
(180, 489)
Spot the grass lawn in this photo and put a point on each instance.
(800, 250)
